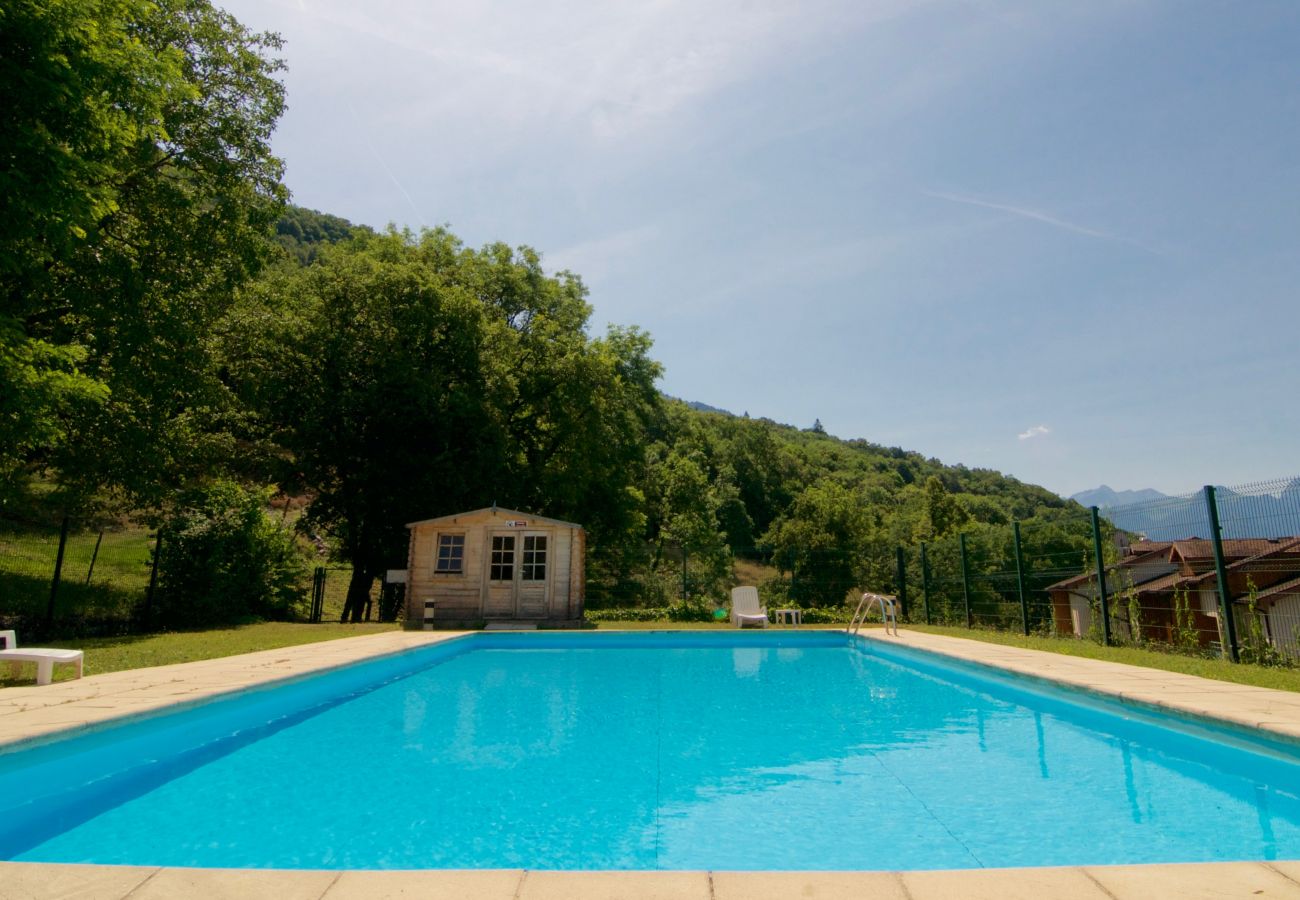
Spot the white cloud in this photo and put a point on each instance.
(1035, 431)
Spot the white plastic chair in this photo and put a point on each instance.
(746, 609)
(44, 657)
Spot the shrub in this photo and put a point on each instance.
(625, 614)
(224, 560)
(705, 611)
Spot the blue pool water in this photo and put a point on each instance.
(688, 751)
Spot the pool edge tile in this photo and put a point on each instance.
(427, 884)
(608, 885)
(1192, 881)
(39, 881)
(236, 884)
(1059, 883)
(815, 885)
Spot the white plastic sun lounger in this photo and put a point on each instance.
(746, 609)
(44, 657)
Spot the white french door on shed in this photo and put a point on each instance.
(517, 578)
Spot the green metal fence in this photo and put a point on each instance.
(1214, 572)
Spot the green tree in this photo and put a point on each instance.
(687, 506)
(384, 403)
(406, 377)
(136, 190)
(943, 514)
(823, 542)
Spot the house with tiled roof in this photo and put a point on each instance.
(1270, 579)
(1159, 589)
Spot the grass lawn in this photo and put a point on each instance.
(141, 651)
(1218, 669)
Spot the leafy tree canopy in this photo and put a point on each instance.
(137, 186)
(407, 376)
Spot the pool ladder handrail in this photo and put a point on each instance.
(888, 612)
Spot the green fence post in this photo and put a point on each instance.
(1020, 580)
(925, 583)
(965, 579)
(58, 572)
(1101, 577)
(902, 583)
(1221, 573)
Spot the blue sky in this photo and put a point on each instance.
(1058, 239)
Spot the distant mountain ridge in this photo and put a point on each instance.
(1163, 518)
(1105, 496)
(704, 407)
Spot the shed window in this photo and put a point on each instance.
(503, 558)
(534, 565)
(451, 554)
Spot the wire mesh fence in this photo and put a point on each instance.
(329, 593)
(83, 580)
(1216, 572)
(71, 579)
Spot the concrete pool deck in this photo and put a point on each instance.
(36, 713)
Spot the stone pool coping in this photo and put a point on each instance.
(36, 713)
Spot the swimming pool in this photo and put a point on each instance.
(653, 751)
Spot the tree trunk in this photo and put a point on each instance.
(358, 595)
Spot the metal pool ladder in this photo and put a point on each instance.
(888, 612)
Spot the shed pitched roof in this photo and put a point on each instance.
(495, 510)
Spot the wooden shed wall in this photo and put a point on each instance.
(461, 597)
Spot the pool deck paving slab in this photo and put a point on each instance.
(811, 885)
(38, 713)
(614, 885)
(234, 884)
(482, 884)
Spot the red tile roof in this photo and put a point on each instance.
(1241, 554)
(1278, 591)
(1283, 555)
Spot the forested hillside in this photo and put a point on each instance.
(828, 512)
(179, 346)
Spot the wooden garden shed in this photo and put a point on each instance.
(495, 565)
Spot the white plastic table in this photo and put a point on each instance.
(788, 617)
